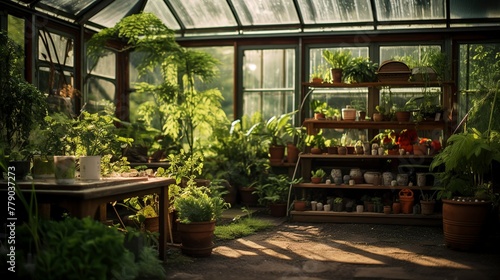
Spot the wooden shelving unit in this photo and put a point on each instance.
(308, 162)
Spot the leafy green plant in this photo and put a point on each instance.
(276, 129)
(359, 70)
(337, 59)
(275, 189)
(196, 204)
(316, 140)
(22, 105)
(318, 173)
(96, 133)
(318, 106)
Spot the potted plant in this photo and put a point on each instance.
(360, 70)
(317, 176)
(465, 164)
(316, 142)
(96, 135)
(338, 204)
(275, 132)
(198, 209)
(427, 202)
(337, 60)
(317, 76)
(274, 193)
(319, 108)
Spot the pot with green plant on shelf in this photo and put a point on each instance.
(338, 204)
(317, 176)
(316, 142)
(360, 70)
(273, 193)
(318, 75)
(275, 132)
(337, 60)
(319, 108)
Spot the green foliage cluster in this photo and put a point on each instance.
(360, 70)
(240, 228)
(197, 204)
(275, 189)
(466, 159)
(318, 173)
(178, 108)
(22, 105)
(337, 59)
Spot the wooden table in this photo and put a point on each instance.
(89, 198)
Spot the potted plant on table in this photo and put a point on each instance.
(337, 60)
(465, 165)
(274, 193)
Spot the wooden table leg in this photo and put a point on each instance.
(164, 205)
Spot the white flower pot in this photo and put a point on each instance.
(90, 167)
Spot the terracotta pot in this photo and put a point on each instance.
(197, 238)
(319, 116)
(316, 180)
(464, 224)
(316, 151)
(333, 150)
(377, 117)
(419, 150)
(292, 153)
(299, 205)
(336, 75)
(362, 115)
(427, 207)
(276, 154)
(342, 150)
(396, 208)
(403, 116)
(387, 209)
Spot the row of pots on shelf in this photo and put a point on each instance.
(405, 205)
(356, 176)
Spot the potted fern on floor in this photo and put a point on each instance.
(198, 209)
(274, 193)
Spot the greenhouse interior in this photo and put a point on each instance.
(125, 123)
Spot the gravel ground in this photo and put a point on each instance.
(339, 251)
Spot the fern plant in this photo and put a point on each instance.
(198, 204)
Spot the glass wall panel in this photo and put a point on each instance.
(479, 9)
(268, 81)
(478, 76)
(15, 31)
(55, 48)
(99, 90)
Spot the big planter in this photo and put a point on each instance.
(197, 238)
(464, 224)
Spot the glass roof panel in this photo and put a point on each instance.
(158, 8)
(259, 12)
(69, 6)
(479, 9)
(410, 10)
(113, 13)
(204, 13)
(337, 11)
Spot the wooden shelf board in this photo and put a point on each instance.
(360, 186)
(377, 84)
(354, 156)
(366, 218)
(367, 124)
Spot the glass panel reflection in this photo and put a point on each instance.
(204, 13)
(479, 9)
(258, 12)
(410, 9)
(337, 11)
(161, 10)
(68, 6)
(113, 13)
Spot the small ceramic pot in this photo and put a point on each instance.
(360, 208)
(387, 178)
(402, 179)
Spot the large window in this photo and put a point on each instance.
(56, 72)
(269, 81)
(478, 75)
